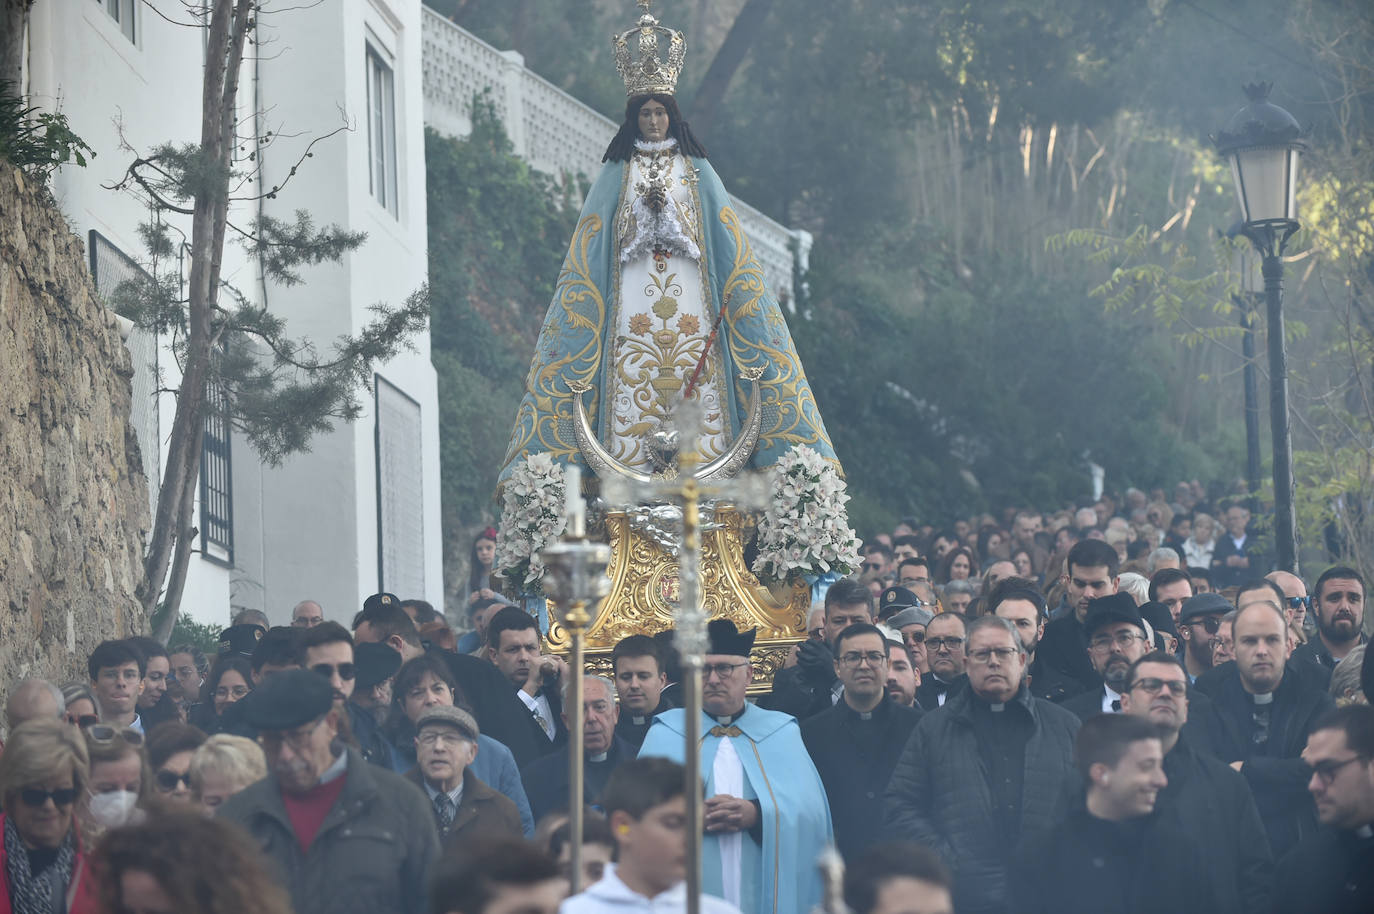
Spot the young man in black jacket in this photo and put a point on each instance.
(1204, 798)
(1332, 872)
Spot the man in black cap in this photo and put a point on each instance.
(373, 667)
(341, 833)
(1117, 638)
(766, 814)
(1198, 622)
(240, 640)
(499, 713)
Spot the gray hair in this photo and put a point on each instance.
(610, 686)
(75, 691)
(1345, 678)
(1162, 553)
(1137, 585)
(997, 622)
(967, 587)
(22, 696)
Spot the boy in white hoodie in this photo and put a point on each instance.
(647, 808)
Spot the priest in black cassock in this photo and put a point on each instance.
(640, 679)
(856, 744)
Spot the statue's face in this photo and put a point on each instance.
(653, 121)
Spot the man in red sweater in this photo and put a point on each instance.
(345, 836)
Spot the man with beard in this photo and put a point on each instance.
(639, 681)
(990, 769)
(1019, 602)
(341, 834)
(1090, 572)
(1339, 608)
(855, 744)
(1111, 856)
(903, 679)
(1116, 639)
(1332, 872)
(1262, 711)
(946, 637)
(1200, 621)
(1204, 798)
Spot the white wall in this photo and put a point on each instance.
(309, 527)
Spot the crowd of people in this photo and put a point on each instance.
(1117, 708)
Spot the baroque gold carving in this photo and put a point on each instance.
(644, 577)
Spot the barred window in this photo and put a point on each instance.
(216, 483)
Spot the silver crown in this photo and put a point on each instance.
(648, 74)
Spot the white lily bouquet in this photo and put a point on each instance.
(805, 531)
(532, 518)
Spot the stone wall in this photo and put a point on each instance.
(73, 498)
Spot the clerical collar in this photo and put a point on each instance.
(728, 719)
(660, 146)
(1263, 698)
(865, 715)
(1365, 832)
(638, 721)
(598, 758)
(997, 707)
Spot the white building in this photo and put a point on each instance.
(360, 512)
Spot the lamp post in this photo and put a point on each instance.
(1263, 143)
(575, 579)
(1247, 266)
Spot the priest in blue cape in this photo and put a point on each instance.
(767, 819)
(661, 298)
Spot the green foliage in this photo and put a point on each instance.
(37, 143)
(497, 236)
(204, 635)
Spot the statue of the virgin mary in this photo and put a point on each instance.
(661, 299)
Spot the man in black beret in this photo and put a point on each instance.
(341, 833)
(1117, 638)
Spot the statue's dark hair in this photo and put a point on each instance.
(623, 145)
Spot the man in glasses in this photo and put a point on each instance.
(989, 770)
(856, 744)
(117, 669)
(766, 814)
(1262, 711)
(327, 650)
(1204, 798)
(1295, 592)
(910, 621)
(1199, 622)
(464, 807)
(1339, 608)
(1333, 869)
(340, 833)
(946, 635)
(811, 686)
(1117, 638)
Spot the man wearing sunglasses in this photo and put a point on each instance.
(1198, 622)
(343, 836)
(327, 650)
(1204, 797)
(1333, 870)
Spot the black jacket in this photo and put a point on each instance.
(1208, 801)
(369, 855)
(1088, 865)
(792, 693)
(1277, 776)
(633, 729)
(1260, 558)
(855, 759)
(1064, 648)
(500, 714)
(1085, 704)
(938, 794)
(547, 782)
(1314, 652)
(1048, 683)
(1330, 872)
(928, 692)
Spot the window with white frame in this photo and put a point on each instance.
(381, 127)
(124, 12)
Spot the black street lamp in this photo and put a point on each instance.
(1246, 264)
(1263, 143)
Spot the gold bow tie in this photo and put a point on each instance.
(726, 731)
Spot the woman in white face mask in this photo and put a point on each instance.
(119, 779)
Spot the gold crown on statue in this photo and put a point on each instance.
(648, 74)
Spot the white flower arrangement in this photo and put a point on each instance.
(805, 530)
(532, 518)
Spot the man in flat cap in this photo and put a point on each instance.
(446, 740)
(341, 833)
(767, 817)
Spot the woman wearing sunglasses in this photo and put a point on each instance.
(82, 708)
(170, 748)
(42, 867)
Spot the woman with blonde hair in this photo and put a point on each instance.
(42, 774)
(222, 766)
(186, 863)
(1198, 547)
(120, 779)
